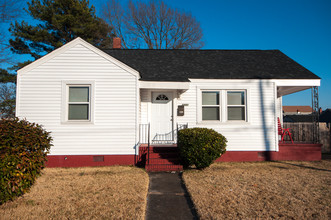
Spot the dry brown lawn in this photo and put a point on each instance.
(262, 190)
(83, 193)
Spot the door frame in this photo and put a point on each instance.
(174, 105)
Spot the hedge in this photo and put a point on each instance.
(23, 150)
(200, 146)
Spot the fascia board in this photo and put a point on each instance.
(163, 85)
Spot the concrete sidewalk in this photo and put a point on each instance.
(168, 198)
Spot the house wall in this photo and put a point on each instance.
(257, 134)
(114, 100)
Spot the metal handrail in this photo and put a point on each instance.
(149, 132)
(144, 137)
(145, 130)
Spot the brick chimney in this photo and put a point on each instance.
(116, 43)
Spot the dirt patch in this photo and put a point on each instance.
(262, 190)
(83, 193)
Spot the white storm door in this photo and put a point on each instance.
(161, 123)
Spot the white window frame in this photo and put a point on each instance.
(245, 104)
(219, 104)
(223, 105)
(65, 101)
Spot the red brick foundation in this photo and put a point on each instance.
(89, 160)
(303, 152)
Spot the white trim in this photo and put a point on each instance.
(279, 82)
(174, 109)
(64, 96)
(275, 118)
(220, 98)
(223, 104)
(297, 82)
(88, 103)
(163, 85)
(138, 116)
(173, 93)
(227, 105)
(71, 44)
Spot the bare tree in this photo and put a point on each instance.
(7, 100)
(153, 25)
(9, 10)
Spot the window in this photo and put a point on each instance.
(236, 105)
(162, 97)
(210, 106)
(223, 105)
(79, 103)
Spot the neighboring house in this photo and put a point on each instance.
(96, 103)
(297, 110)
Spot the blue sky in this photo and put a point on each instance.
(299, 28)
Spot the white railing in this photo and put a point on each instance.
(165, 138)
(170, 137)
(144, 132)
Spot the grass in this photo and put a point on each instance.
(262, 190)
(83, 193)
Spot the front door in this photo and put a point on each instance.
(161, 123)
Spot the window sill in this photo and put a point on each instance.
(223, 123)
(77, 122)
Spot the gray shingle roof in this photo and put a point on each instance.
(179, 65)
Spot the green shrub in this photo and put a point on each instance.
(23, 150)
(200, 146)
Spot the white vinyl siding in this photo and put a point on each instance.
(114, 100)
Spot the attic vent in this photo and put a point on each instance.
(162, 97)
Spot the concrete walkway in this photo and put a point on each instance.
(168, 198)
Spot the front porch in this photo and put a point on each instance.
(159, 158)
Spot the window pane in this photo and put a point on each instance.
(210, 98)
(78, 94)
(78, 112)
(210, 113)
(236, 98)
(236, 113)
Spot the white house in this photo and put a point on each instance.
(97, 103)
